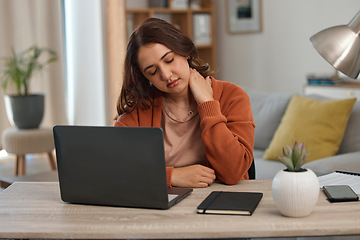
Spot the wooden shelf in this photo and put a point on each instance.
(182, 18)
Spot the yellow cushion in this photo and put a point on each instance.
(319, 124)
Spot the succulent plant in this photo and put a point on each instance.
(294, 158)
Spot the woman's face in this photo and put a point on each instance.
(166, 70)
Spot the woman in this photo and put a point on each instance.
(208, 125)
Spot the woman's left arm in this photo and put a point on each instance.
(227, 127)
(228, 134)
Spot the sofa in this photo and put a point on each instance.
(268, 110)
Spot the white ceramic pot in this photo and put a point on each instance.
(295, 193)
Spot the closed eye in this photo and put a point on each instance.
(170, 60)
(152, 74)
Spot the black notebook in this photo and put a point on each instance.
(233, 203)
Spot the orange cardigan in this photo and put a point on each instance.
(227, 130)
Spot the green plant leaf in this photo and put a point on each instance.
(20, 67)
(294, 158)
(288, 163)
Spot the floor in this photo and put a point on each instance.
(35, 163)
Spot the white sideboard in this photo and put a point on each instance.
(340, 91)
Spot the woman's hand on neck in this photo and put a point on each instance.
(199, 91)
(200, 88)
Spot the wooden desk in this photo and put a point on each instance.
(50, 176)
(35, 210)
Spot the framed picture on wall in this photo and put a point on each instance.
(244, 16)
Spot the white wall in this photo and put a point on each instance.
(279, 58)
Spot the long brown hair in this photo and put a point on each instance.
(136, 89)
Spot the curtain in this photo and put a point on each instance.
(24, 23)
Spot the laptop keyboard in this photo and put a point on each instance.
(171, 197)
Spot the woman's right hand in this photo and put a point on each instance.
(194, 176)
(200, 87)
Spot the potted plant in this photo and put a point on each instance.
(24, 110)
(295, 189)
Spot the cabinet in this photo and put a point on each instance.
(341, 91)
(190, 21)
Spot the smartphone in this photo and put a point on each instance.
(340, 193)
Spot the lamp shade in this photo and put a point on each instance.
(340, 46)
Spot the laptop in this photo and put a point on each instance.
(114, 166)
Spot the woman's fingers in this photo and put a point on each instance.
(200, 88)
(192, 176)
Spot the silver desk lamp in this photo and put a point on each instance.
(340, 46)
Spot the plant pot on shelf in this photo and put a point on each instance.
(295, 193)
(25, 112)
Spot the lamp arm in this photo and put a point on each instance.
(355, 24)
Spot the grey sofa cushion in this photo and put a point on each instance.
(267, 109)
(266, 169)
(351, 140)
(349, 162)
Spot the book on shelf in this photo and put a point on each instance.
(164, 16)
(323, 80)
(202, 28)
(195, 4)
(179, 4)
(129, 24)
(230, 203)
(341, 178)
(158, 3)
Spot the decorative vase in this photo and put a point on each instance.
(25, 112)
(295, 193)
